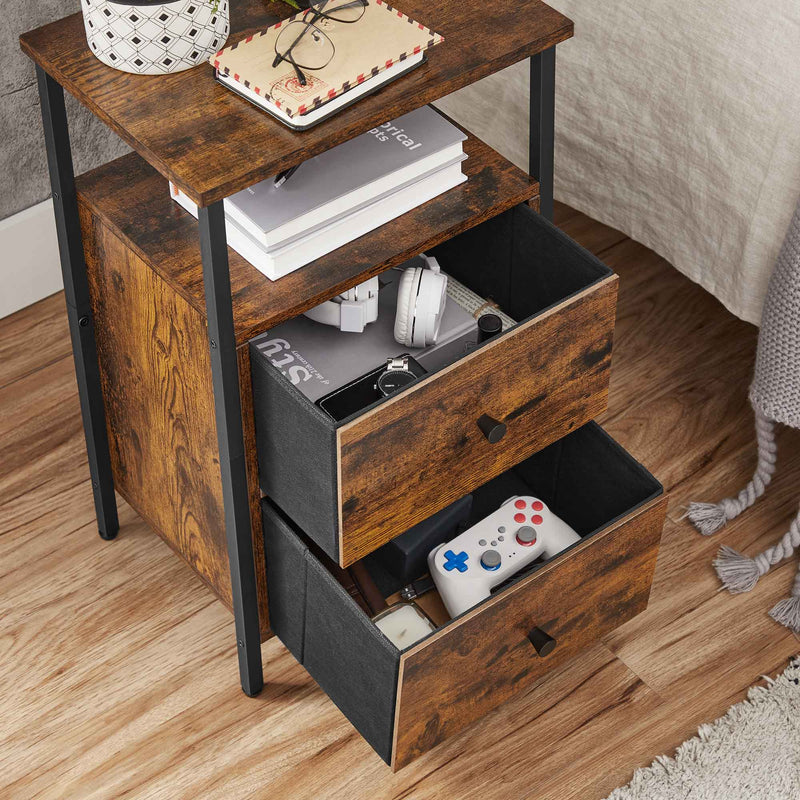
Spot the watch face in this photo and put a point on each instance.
(392, 381)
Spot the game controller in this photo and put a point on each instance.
(467, 568)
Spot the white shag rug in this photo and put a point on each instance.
(752, 753)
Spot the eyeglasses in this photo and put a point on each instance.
(304, 44)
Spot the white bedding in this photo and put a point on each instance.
(677, 123)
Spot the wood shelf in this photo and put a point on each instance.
(133, 199)
(212, 143)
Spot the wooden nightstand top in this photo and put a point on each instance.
(212, 144)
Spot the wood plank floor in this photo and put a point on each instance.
(117, 667)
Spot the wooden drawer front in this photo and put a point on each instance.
(355, 484)
(482, 659)
(542, 379)
(405, 702)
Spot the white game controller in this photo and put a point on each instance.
(466, 569)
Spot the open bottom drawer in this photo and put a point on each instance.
(405, 702)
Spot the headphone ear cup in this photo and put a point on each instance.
(406, 302)
(428, 308)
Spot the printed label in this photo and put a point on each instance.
(290, 362)
(288, 89)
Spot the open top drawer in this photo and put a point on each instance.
(405, 702)
(354, 485)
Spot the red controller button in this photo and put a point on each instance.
(519, 504)
(519, 518)
(536, 519)
(537, 505)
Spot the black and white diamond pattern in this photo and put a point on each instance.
(153, 39)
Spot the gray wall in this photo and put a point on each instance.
(23, 172)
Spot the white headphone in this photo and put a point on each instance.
(421, 298)
(351, 311)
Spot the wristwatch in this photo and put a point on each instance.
(396, 376)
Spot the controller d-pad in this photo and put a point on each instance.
(455, 561)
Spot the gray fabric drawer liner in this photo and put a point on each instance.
(296, 445)
(351, 660)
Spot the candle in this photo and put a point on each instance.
(404, 624)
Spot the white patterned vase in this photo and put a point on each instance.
(153, 38)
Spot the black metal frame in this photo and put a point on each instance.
(222, 344)
(76, 293)
(224, 368)
(542, 125)
(230, 436)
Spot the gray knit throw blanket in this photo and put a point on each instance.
(775, 396)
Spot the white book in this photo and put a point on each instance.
(279, 262)
(346, 177)
(352, 201)
(301, 122)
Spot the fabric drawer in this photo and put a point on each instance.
(354, 485)
(405, 702)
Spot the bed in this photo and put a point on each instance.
(677, 123)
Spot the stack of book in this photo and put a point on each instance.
(343, 193)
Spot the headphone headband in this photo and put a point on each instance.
(352, 310)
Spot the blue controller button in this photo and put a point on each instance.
(455, 561)
(491, 560)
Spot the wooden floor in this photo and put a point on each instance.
(118, 671)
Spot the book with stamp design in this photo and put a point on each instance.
(381, 46)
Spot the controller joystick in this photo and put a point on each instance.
(467, 568)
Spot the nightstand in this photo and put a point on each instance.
(162, 315)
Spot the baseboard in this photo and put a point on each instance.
(29, 264)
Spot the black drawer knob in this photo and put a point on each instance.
(493, 430)
(543, 643)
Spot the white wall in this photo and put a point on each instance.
(29, 265)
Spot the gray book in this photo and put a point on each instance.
(319, 358)
(347, 177)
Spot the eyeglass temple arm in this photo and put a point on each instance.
(339, 8)
(319, 13)
(287, 56)
(297, 71)
(300, 74)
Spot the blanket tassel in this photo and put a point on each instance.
(708, 518)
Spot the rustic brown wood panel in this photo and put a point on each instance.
(415, 454)
(483, 659)
(134, 201)
(212, 143)
(156, 375)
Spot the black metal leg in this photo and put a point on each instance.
(542, 132)
(76, 292)
(228, 411)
